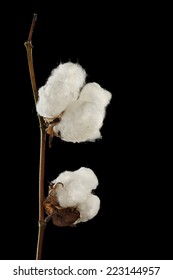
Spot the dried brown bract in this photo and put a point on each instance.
(61, 217)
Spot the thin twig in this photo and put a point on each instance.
(32, 27)
(41, 229)
(29, 46)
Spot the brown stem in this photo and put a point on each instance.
(32, 27)
(41, 229)
(41, 194)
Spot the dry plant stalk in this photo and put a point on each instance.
(42, 222)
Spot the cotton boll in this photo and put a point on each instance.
(61, 88)
(89, 208)
(93, 92)
(80, 122)
(76, 186)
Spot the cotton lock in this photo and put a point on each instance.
(61, 88)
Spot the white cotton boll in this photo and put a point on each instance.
(80, 122)
(76, 186)
(89, 208)
(93, 92)
(61, 88)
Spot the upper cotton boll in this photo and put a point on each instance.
(76, 186)
(89, 208)
(61, 88)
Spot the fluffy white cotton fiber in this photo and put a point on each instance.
(76, 186)
(61, 88)
(76, 192)
(89, 208)
(83, 119)
(80, 122)
(93, 92)
(82, 112)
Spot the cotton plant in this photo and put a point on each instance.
(73, 110)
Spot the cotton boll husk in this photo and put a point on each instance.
(61, 88)
(93, 92)
(80, 122)
(89, 208)
(76, 186)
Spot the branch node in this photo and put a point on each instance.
(45, 221)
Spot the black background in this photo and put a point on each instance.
(119, 48)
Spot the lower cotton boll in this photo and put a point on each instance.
(70, 200)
